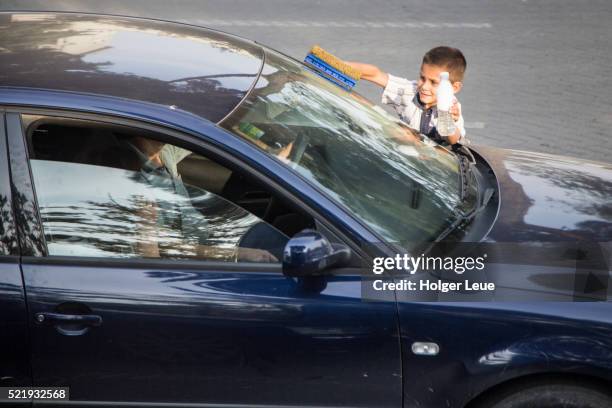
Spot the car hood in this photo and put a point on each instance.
(545, 197)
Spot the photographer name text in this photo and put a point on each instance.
(437, 286)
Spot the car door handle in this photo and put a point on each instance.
(61, 318)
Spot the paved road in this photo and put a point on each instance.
(539, 72)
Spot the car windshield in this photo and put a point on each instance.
(401, 184)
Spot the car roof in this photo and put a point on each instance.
(198, 70)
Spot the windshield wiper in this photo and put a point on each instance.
(465, 171)
(466, 178)
(460, 219)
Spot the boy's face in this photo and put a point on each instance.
(428, 82)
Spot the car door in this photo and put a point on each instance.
(14, 352)
(119, 324)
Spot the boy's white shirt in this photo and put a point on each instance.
(400, 93)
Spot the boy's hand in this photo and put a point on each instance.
(455, 110)
(406, 135)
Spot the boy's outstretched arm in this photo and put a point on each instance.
(370, 73)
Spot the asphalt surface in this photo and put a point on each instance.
(538, 74)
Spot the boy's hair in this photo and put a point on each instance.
(447, 57)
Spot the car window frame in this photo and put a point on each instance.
(8, 221)
(183, 139)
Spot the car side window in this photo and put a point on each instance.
(110, 191)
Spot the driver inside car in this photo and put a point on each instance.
(169, 225)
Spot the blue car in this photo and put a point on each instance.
(187, 217)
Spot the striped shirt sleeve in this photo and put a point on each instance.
(398, 93)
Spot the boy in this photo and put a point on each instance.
(415, 101)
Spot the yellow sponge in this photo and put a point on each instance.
(335, 62)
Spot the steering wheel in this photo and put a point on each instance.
(297, 151)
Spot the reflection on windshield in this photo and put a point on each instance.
(402, 185)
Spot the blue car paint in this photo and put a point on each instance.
(485, 344)
(205, 334)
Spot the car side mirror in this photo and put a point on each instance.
(310, 253)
